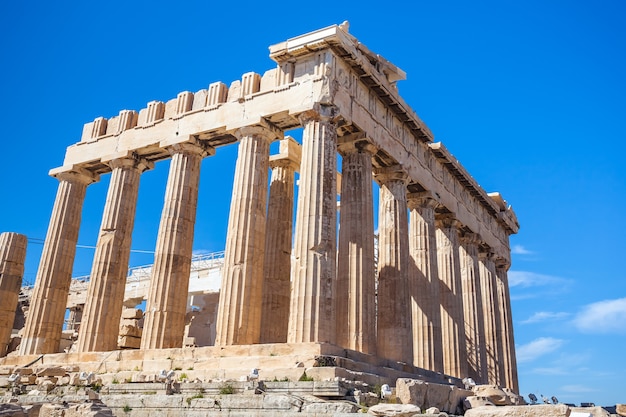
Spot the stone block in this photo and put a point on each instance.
(621, 409)
(129, 342)
(330, 407)
(52, 410)
(280, 402)
(23, 371)
(202, 403)
(396, 410)
(94, 409)
(455, 400)
(51, 371)
(42, 379)
(514, 398)
(494, 393)
(28, 379)
(157, 365)
(4, 382)
(64, 380)
(474, 401)
(132, 313)
(46, 386)
(539, 410)
(133, 331)
(446, 398)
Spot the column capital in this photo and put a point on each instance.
(485, 253)
(193, 147)
(132, 160)
(75, 174)
(267, 132)
(393, 173)
(320, 113)
(447, 220)
(470, 238)
(502, 263)
(362, 145)
(423, 199)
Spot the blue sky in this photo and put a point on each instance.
(529, 96)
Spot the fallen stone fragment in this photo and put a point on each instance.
(539, 410)
(494, 393)
(476, 401)
(395, 410)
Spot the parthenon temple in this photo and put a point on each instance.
(424, 293)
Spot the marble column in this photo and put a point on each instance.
(424, 283)
(490, 316)
(279, 232)
(12, 256)
(241, 296)
(508, 361)
(472, 307)
(164, 320)
(44, 324)
(312, 315)
(105, 296)
(356, 285)
(394, 339)
(451, 300)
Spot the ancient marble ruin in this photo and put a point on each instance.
(430, 298)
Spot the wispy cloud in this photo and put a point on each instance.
(520, 250)
(533, 279)
(565, 364)
(577, 388)
(545, 316)
(608, 316)
(536, 348)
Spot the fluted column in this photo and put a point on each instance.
(472, 307)
(424, 283)
(508, 361)
(241, 296)
(451, 300)
(12, 255)
(103, 309)
(278, 235)
(490, 316)
(313, 273)
(164, 322)
(44, 324)
(394, 310)
(356, 286)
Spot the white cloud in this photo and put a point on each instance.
(545, 316)
(520, 250)
(536, 348)
(532, 279)
(577, 388)
(608, 316)
(565, 364)
(550, 371)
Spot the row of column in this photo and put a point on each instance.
(434, 286)
(423, 309)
